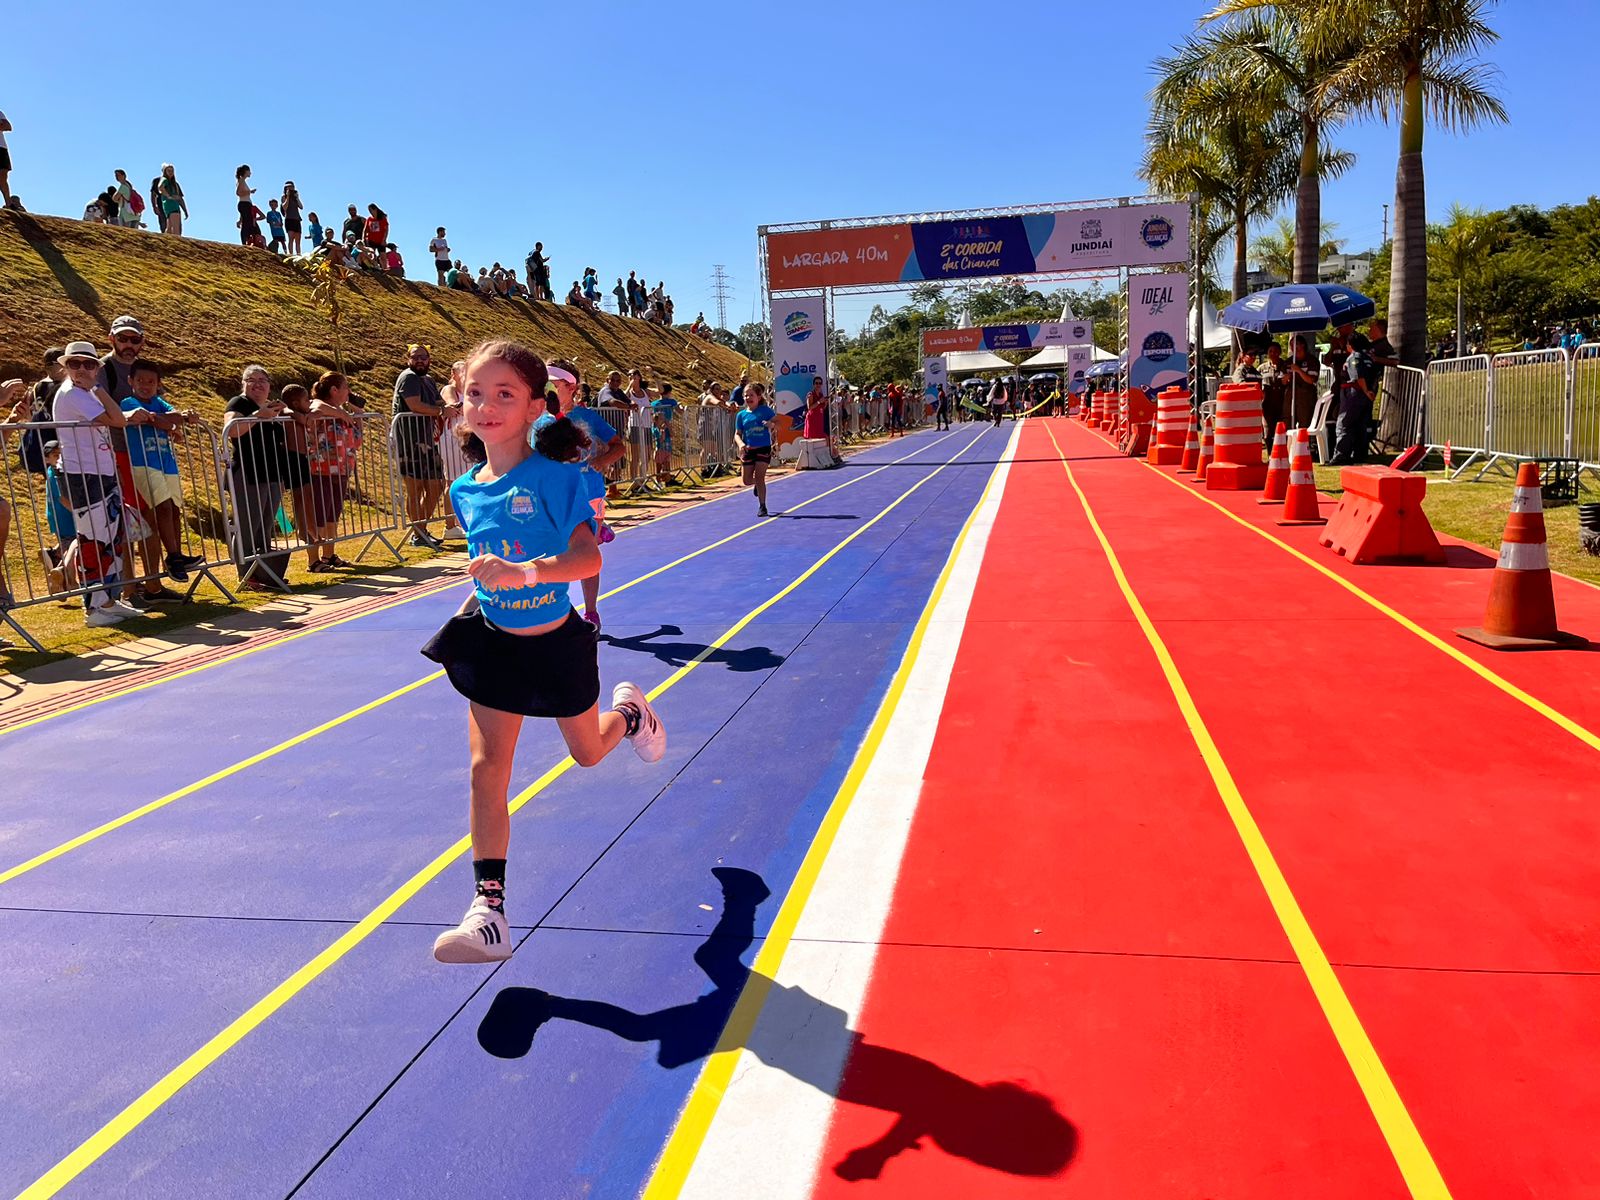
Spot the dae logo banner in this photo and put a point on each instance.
(1158, 335)
(799, 355)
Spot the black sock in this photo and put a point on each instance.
(491, 876)
(631, 717)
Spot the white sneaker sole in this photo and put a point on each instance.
(453, 948)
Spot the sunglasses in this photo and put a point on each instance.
(131, 339)
(82, 364)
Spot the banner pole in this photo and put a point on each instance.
(1197, 392)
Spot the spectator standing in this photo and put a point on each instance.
(353, 226)
(5, 161)
(439, 247)
(314, 231)
(941, 410)
(815, 425)
(539, 272)
(997, 403)
(172, 208)
(392, 262)
(376, 231)
(635, 295)
(640, 424)
(243, 190)
(1300, 377)
(621, 293)
(275, 227)
(255, 435)
(116, 377)
(1383, 352)
(61, 560)
(591, 288)
(334, 447)
(708, 420)
(291, 208)
(153, 465)
(299, 441)
(89, 473)
(127, 214)
(1274, 384)
(417, 413)
(1355, 402)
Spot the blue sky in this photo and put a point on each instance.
(656, 137)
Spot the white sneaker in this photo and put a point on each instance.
(106, 615)
(650, 742)
(482, 937)
(455, 533)
(127, 610)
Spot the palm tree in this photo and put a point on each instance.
(1264, 46)
(1461, 245)
(1418, 60)
(1223, 139)
(1274, 250)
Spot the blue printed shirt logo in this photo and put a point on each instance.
(521, 506)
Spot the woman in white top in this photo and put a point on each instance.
(641, 419)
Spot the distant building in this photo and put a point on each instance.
(1346, 268)
(1258, 278)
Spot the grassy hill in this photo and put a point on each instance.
(210, 309)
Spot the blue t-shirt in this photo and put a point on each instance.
(528, 513)
(592, 423)
(147, 445)
(314, 232)
(275, 222)
(753, 425)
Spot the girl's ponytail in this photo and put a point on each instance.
(561, 440)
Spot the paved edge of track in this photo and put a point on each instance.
(889, 763)
(149, 1102)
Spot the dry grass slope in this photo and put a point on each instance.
(209, 309)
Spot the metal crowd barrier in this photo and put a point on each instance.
(1517, 405)
(45, 560)
(1401, 397)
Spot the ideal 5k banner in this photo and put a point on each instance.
(799, 355)
(1134, 235)
(1079, 359)
(1158, 338)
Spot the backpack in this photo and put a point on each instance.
(135, 201)
(31, 450)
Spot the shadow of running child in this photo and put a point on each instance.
(1004, 1126)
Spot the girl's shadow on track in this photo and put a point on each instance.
(1003, 1126)
(678, 654)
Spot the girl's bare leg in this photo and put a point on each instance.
(590, 737)
(492, 735)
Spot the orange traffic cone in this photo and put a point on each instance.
(1191, 446)
(1208, 452)
(1522, 603)
(1277, 486)
(1300, 501)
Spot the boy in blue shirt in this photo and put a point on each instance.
(275, 227)
(155, 471)
(61, 560)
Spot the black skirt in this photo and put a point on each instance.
(554, 674)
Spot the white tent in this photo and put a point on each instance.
(959, 362)
(1056, 356)
(1218, 337)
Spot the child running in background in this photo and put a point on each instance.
(606, 447)
(663, 439)
(517, 649)
(752, 429)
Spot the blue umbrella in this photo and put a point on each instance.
(1298, 308)
(1109, 367)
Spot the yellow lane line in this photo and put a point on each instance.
(298, 739)
(148, 1103)
(1405, 1143)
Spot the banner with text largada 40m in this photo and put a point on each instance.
(799, 355)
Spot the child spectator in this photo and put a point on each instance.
(376, 231)
(314, 229)
(60, 560)
(392, 262)
(275, 227)
(335, 446)
(662, 412)
(154, 464)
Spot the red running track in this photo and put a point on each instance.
(1076, 910)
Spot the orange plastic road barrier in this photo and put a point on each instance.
(1380, 518)
(1207, 453)
(1096, 407)
(1522, 605)
(1140, 420)
(1172, 410)
(1277, 485)
(1191, 445)
(1300, 504)
(1238, 467)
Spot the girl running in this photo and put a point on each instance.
(606, 446)
(752, 429)
(517, 649)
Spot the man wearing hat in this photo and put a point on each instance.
(89, 471)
